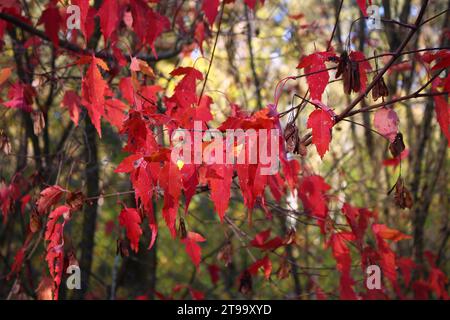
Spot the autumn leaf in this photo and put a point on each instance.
(210, 8)
(109, 17)
(363, 6)
(192, 248)
(313, 195)
(265, 264)
(4, 75)
(52, 22)
(317, 75)
(389, 234)
(93, 93)
(442, 110)
(363, 66)
(130, 219)
(72, 102)
(386, 122)
(261, 241)
(220, 185)
(320, 123)
(48, 197)
(53, 218)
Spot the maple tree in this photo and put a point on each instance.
(136, 71)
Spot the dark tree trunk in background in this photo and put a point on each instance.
(90, 209)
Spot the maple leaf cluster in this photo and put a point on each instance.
(141, 113)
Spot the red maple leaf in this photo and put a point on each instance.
(220, 184)
(317, 78)
(93, 91)
(53, 218)
(147, 24)
(192, 248)
(263, 263)
(442, 109)
(386, 233)
(341, 252)
(130, 219)
(52, 22)
(313, 195)
(72, 101)
(109, 17)
(210, 8)
(320, 122)
(261, 241)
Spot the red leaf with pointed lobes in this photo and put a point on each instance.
(442, 109)
(315, 63)
(48, 197)
(362, 5)
(312, 192)
(53, 218)
(52, 22)
(184, 93)
(115, 112)
(147, 24)
(192, 248)
(388, 259)
(130, 163)
(261, 241)
(406, 266)
(221, 187)
(263, 263)
(320, 123)
(130, 219)
(389, 234)
(171, 182)
(357, 218)
(93, 93)
(84, 10)
(72, 101)
(210, 8)
(109, 17)
(341, 252)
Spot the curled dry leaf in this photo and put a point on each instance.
(402, 196)
(380, 89)
(226, 254)
(292, 138)
(35, 222)
(245, 283)
(38, 122)
(397, 146)
(350, 73)
(285, 269)
(122, 248)
(5, 145)
(75, 200)
(182, 232)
